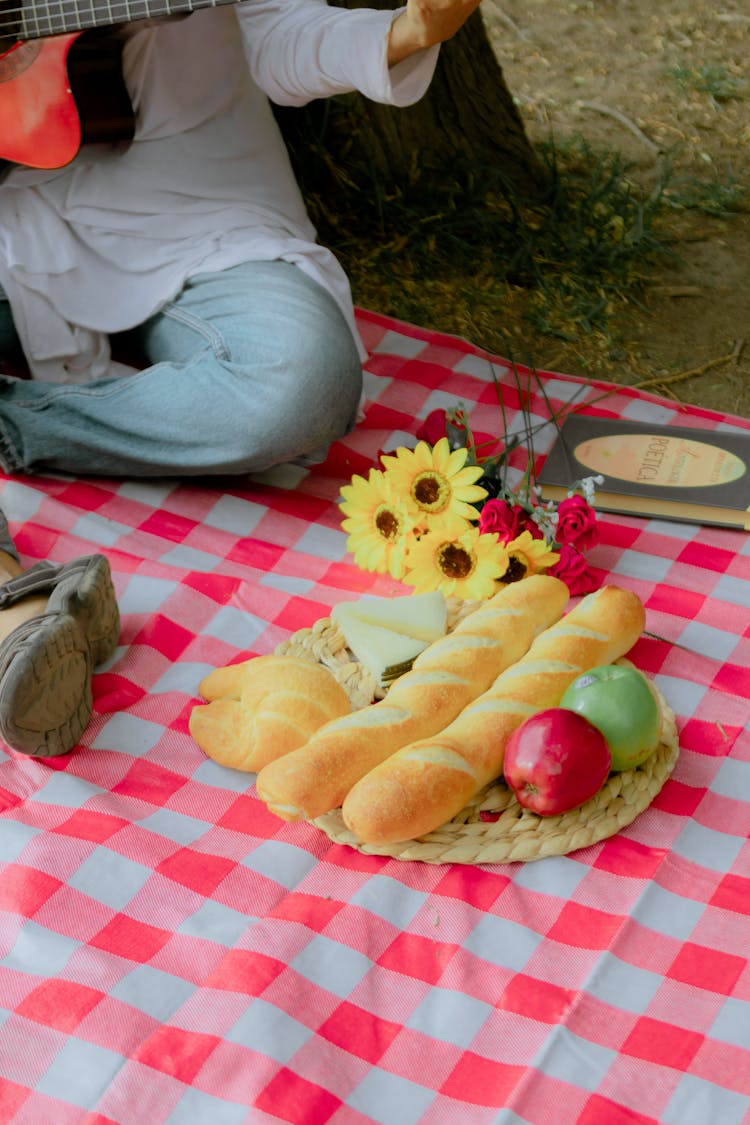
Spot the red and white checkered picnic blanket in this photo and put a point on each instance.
(170, 952)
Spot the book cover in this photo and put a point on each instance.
(666, 472)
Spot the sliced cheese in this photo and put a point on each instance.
(379, 649)
(424, 616)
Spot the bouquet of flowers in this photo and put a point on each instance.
(441, 517)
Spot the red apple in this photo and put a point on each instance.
(618, 699)
(555, 761)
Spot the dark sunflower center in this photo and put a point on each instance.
(430, 492)
(517, 570)
(455, 561)
(387, 524)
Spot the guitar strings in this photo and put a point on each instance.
(100, 13)
(62, 7)
(97, 8)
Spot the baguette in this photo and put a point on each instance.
(429, 781)
(446, 676)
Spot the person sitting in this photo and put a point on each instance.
(194, 239)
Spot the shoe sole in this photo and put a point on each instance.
(46, 696)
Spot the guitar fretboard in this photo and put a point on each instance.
(39, 20)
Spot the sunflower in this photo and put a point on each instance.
(377, 524)
(435, 481)
(456, 558)
(527, 555)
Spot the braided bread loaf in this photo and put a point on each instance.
(263, 708)
(446, 676)
(429, 781)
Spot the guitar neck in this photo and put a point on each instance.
(25, 19)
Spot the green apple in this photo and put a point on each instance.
(618, 699)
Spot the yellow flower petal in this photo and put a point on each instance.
(455, 558)
(435, 481)
(528, 555)
(377, 524)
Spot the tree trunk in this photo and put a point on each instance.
(468, 116)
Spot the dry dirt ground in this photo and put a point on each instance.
(664, 81)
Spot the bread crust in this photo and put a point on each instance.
(263, 708)
(430, 780)
(446, 676)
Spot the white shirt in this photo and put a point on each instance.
(99, 246)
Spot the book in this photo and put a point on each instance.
(663, 472)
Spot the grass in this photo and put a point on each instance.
(719, 197)
(712, 79)
(548, 282)
(467, 252)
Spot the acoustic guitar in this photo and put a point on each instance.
(61, 81)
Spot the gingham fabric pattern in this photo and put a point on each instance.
(173, 954)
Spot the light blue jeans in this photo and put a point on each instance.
(249, 367)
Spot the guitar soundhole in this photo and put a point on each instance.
(95, 68)
(11, 23)
(18, 58)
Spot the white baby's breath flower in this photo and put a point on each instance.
(586, 487)
(545, 517)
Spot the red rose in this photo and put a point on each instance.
(506, 521)
(574, 571)
(499, 518)
(576, 523)
(526, 523)
(433, 428)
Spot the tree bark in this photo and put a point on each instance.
(468, 116)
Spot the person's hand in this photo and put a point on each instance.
(424, 23)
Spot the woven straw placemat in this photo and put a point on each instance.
(493, 828)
